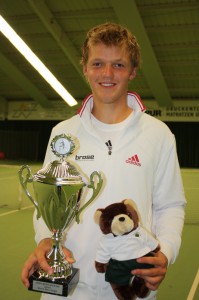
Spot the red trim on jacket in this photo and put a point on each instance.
(87, 99)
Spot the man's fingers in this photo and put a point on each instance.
(28, 269)
(151, 260)
(44, 265)
(152, 287)
(24, 277)
(153, 276)
(41, 251)
(151, 272)
(153, 282)
(69, 256)
(38, 258)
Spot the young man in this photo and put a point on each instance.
(113, 128)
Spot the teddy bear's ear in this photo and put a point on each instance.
(131, 207)
(97, 215)
(130, 202)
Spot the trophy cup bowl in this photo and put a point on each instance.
(57, 188)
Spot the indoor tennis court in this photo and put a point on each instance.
(42, 83)
(17, 239)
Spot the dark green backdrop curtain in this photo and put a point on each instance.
(28, 140)
(187, 141)
(25, 140)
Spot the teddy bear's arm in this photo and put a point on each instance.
(100, 267)
(102, 255)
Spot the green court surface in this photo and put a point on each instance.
(17, 239)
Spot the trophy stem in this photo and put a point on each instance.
(56, 259)
(56, 253)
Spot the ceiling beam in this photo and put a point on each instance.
(128, 15)
(22, 81)
(49, 21)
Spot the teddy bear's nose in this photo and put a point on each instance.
(122, 219)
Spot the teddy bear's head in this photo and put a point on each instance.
(118, 218)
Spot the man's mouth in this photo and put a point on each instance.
(106, 84)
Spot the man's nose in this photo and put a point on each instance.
(108, 70)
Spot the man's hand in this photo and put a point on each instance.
(153, 276)
(38, 258)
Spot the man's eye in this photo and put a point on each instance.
(97, 64)
(119, 65)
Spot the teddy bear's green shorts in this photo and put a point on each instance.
(119, 272)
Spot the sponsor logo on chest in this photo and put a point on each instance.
(85, 157)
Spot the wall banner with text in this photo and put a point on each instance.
(181, 111)
(30, 110)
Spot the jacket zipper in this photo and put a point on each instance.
(110, 147)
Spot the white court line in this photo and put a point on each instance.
(10, 177)
(191, 188)
(10, 166)
(194, 287)
(16, 210)
(189, 170)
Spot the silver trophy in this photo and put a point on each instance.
(57, 188)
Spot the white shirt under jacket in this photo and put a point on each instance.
(154, 183)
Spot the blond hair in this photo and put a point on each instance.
(112, 34)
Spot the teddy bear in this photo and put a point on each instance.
(123, 240)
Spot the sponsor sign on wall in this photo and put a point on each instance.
(181, 111)
(30, 110)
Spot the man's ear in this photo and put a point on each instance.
(133, 73)
(97, 216)
(84, 68)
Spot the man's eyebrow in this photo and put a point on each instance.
(114, 60)
(96, 59)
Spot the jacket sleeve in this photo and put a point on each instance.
(168, 203)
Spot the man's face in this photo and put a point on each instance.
(108, 72)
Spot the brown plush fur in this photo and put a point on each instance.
(104, 218)
(108, 213)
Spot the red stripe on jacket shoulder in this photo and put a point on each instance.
(84, 103)
(138, 99)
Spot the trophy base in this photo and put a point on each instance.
(59, 287)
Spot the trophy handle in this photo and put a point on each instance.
(24, 180)
(95, 184)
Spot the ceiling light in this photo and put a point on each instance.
(21, 46)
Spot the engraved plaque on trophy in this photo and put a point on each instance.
(58, 187)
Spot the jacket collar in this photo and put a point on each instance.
(134, 101)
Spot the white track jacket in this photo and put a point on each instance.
(143, 167)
